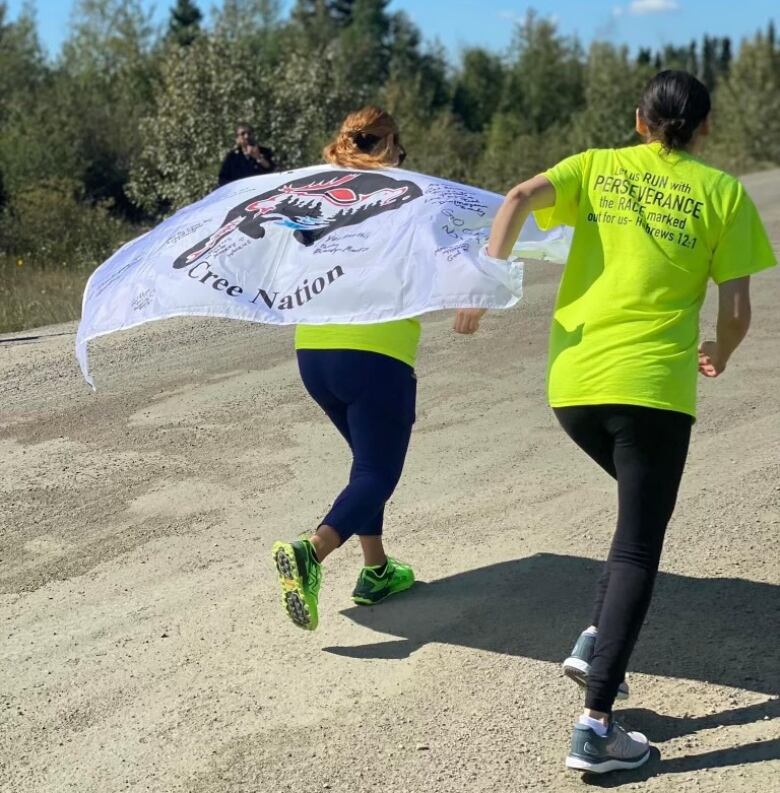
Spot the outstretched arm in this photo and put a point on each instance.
(733, 324)
(520, 201)
(536, 193)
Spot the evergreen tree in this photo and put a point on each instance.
(747, 131)
(478, 88)
(364, 42)
(613, 85)
(313, 19)
(709, 66)
(724, 61)
(674, 57)
(692, 61)
(544, 85)
(184, 25)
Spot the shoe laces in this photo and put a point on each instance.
(314, 571)
(623, 742)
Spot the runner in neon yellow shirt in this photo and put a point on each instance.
(653, 223)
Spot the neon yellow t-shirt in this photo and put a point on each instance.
(398, 339)
(651, 227)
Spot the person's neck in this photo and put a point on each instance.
(689, 149)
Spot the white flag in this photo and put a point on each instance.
(315, 245)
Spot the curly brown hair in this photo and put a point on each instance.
(368, 138)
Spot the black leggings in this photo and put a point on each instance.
(645, 450)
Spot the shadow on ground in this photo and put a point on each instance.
(717, 630)
(759, 752)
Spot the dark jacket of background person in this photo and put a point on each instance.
(238, 165)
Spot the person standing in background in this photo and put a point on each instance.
(247, 158)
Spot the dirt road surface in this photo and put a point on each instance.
(142, 645)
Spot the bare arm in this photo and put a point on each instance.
(733, 324)
(536, 193)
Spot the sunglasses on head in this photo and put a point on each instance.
(366, 143)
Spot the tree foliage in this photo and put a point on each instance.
(130, 122)
(203, 90)
(184, 25)
(747, 107)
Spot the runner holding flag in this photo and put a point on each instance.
(362, 376)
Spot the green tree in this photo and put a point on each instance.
(204, 90)
(725, 58)
(23, 74)
(708, 73)
(22, 65)
(305, 106)
(478, 88)
(364, 44)
(107, 75)
(544, 85)
(674, 57)
(512, 154)
(613, 85)
(313, 19)
(746, 129)
(242, 20)
(38, 141)
(422, 71)
(108, 38)
(184, 24)
(417, 93)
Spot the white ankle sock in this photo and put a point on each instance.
(591, 631)
(595, 724)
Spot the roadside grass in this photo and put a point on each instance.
(31, 296)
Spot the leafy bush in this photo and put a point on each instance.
(48, 226)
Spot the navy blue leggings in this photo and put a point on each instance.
(371, 400)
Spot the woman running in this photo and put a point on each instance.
(652, 224)
(363, 377)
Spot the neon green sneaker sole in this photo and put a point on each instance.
(298, 599)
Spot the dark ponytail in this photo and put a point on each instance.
(673, 105)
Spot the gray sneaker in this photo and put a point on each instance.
(616, 750)
(577, 665)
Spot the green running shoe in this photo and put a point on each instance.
(300, 575)
(371, 588)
